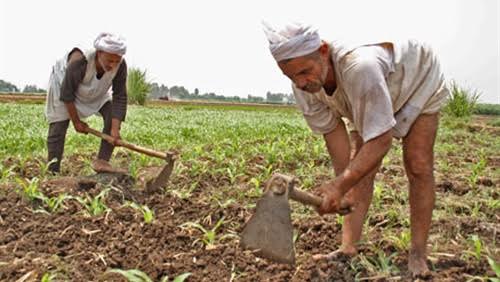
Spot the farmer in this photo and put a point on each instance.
(83, 84)
(385, 90)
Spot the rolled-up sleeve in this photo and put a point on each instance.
(320, 118)
(119, 107)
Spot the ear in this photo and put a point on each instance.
(324, 49)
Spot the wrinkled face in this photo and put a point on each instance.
(108, 61)
(307, 72)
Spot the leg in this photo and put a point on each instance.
(101, 164)
(55, 143)
(360, 194)
(418, 156)
(106, 149)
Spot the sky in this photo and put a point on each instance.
(219, 46)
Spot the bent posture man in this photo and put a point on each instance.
(80, 85)
(385, 90)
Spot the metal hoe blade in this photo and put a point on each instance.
(269, 232)
(161, 180)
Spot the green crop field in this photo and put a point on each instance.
(55, 230)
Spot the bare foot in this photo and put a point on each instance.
(104, 166)
(341, 253)
(417, 266)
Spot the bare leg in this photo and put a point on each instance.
(361, 195)
(418, 155)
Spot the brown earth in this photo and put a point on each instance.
(81, 248)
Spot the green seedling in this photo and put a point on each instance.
(209, 236)
(135, 275)
(95, 206)
(147, 213)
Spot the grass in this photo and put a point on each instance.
(462, 102)
(138, 86)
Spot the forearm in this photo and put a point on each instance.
(368, 158)
(115, 124)
(72, 112)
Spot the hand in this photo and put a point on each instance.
(115, 134)
(333, 200)
(80, 126)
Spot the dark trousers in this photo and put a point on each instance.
(57, 136)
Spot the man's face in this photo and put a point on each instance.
(307, 72)
(108, 61)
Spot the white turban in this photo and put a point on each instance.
(110, 43)
(292, 41)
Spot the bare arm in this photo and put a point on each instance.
(364, 162)
(367, 159)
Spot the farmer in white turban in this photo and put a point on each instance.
(83, 84)
(384, 90)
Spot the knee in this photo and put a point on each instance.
(419, 168)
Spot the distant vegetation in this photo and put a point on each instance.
(138, 87)
(487, 109)
(9, 87)
(463, 102)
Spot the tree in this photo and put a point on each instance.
(275, 97)
(33, 89)
(7, 87)
(255, 99)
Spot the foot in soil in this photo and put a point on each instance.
(104, 166)
(417, 266)
(343, 253)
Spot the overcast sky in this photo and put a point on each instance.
(219, 46)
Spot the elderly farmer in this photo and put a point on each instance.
(385, 90)
(80, 86)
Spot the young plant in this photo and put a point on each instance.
(30, 188)
(256, 191)
(401, 242)
(380, 265)
(44, 166)
(135, 275)
(95, 206)
(48, 277)
(54, 203)
(185, 193)
(477, 169)
(147, 213)
(477, 246)
(209, 237)
(495, 266)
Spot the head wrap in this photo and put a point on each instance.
(293, 40)
(110, 43)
